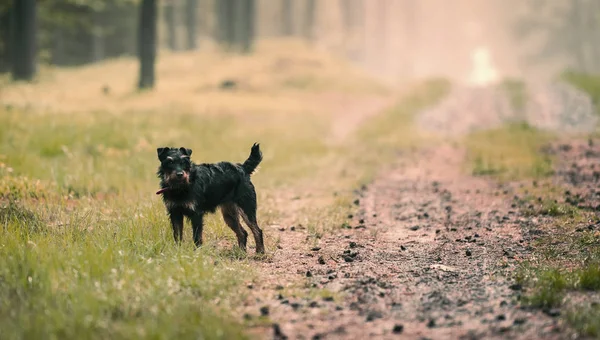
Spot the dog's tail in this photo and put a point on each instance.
(251, 164)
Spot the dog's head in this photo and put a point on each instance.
(175, 166)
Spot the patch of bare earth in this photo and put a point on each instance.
(430, 254)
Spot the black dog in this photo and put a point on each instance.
(192, 190)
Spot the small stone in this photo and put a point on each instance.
(516, 286)
(264, 310)
(501, 317)
(292, 228)
(308, 274)
(356, 201)
(348, 258)
(431, 323)
(277, 333)
(353, 245)
(372, 315)
(250, 286)
(321, 260)
(315, 248)
(414, 228)
(468, 252)
(519, 321)
(552, 312)
(328, 298)
(313, 304)
(403, 248)
(398, 329)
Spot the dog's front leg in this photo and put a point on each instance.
(177, 225)
(197, 226)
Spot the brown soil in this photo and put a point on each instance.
(430, 254)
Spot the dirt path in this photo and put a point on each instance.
(429, 255)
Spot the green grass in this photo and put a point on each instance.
(86, 249)
(565, 261)
(508, 153)
(588, 83)
(585, 320)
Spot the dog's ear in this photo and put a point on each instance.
(162, 153)
(187, 152)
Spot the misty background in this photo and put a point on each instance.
(463, 40)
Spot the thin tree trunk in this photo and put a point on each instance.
(24, 43)
(98, 44)
(169, 11)
(309, 20)
(226, 18)
(352, 14)
(287, 18)
(5, 40)
(248, 43)
(147, 43)
(244, 25)
(191, 17)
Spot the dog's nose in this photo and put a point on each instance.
(179, 174)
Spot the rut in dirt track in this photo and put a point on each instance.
(430, 255)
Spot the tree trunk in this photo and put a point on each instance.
(309, 20)
(98, 43)
(5, 40)
(244, 25)
(170, 23)
(287, 18)
(226, 16)
(250, 16)
(352, 14)
(147, 43)
(23, 40)
(191, 15)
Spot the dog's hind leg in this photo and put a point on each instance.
(247, 206)
(232, 219)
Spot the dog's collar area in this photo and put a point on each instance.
(161, 191)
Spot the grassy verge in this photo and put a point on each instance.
(587, 83)
(563, 272)
(85, 248)
(508, 153)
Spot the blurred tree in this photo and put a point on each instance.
(568, 31)
(191, 15)
(244, 25)
(147, 43)
(24, 39)
(353, 20)
(74, 32)
(309, 20)
(287, 18)
(226, 30)
(5, 20)
(169, 15)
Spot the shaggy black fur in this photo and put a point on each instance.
(191, 190)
